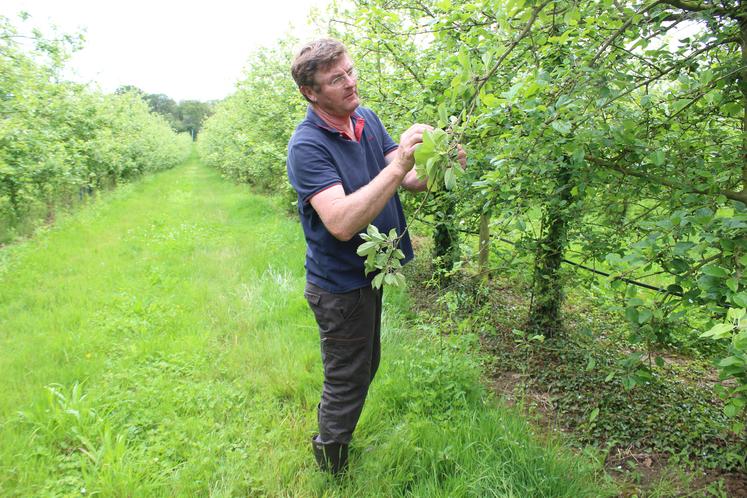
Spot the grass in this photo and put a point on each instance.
(156, 343)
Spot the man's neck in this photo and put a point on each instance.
(340, 123)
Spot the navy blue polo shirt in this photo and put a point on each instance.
(318, 158)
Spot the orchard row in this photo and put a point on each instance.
(60, 141)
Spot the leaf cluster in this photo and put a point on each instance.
(435, 160)
(383, 257)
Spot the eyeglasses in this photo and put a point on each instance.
(343, 78)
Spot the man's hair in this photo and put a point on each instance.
(314, 56)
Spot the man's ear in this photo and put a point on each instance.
(308, 92)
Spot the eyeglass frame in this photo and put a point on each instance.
(351, 73)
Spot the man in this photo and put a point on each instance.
(346, 170)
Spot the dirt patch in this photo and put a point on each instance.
(731, 484)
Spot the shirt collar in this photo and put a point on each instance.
(358, 123)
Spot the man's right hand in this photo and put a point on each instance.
(408, 142)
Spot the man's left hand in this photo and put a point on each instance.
(461, 156)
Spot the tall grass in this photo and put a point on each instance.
(157, 343)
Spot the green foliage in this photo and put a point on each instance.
(598, 132)
(734, 366)
(60, 141)
(382, 256)
(190, 116)
(583, 384)
(246, 138)
(435, 160)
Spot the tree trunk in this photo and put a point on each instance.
(445, 241)
(484, 245)
(743, 88)
(547, 291)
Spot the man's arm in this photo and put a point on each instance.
(347, 215)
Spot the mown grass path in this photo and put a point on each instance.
(157, 343)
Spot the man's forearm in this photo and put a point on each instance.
(352, 213)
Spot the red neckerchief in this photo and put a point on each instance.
(357, 130)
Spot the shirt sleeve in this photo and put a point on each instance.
(310, 170)
(388, 143)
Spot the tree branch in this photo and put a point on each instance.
(620, 31)
(700, 7)
(514, 43)
(740, 196)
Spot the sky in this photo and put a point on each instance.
(187, 50)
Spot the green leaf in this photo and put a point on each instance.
(571, 17)
(658, 157)
(594, 415)
(367, 247)
(440, 138)
(449, 179)
(724, 212)
(734, 314)
(715, 271)
(732, 284)
(578, 154)
(731, 361)
(425, 150)
(644, 315)
(443, 116)
(631, 313)
(740, 299)
(680, 104)
(731, 410)
(613, 258)
(377, 281)
(719, 331)
(400, 280)
(628, 382)
(732, 109)
(591, 364)
(562, 127)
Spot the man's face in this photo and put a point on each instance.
(336, 90)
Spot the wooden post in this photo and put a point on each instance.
(484, 247)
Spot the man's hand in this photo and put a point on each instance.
(461, 156)
(345, 215)
(409, 140)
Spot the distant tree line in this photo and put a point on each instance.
(60, 141)
(184, 116)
